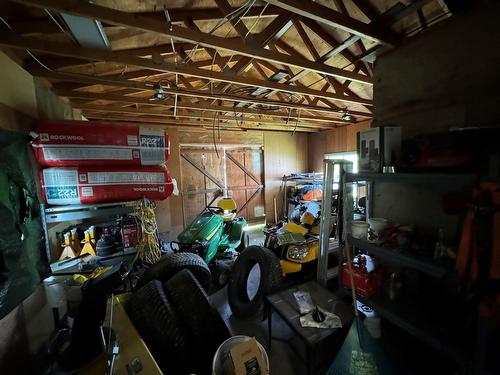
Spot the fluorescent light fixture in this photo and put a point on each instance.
(88, 32)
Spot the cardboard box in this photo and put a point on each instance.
(379, 147)
(247, 359)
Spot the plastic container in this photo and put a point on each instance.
(223, 353)
(378, 224)
(359, 230)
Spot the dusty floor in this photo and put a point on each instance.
(283, 359)
(406, 355)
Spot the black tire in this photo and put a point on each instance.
(160, 327)
(245, 241)
(221, 274)
(206, 327)
(270, 280)
(172, 263)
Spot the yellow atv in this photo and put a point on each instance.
(296, 241)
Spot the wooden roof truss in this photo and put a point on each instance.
(292, 65)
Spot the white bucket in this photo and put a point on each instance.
(359, 230)
(223, 352)
(378, 224)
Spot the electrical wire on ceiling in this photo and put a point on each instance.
(296, 122)
(248, 32)
(169, 22)
(213, 134)
(58, 24)
(27, 50)
(228, 18)
(229, 31)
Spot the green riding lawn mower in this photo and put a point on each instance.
(214, 248)
(216, 236)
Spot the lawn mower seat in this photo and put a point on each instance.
(230, 208)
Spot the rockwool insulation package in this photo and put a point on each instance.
(89, 185)
(86, 143)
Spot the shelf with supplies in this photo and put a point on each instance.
(59, 214)
(411, 317)
(417, 199)
(53, 215)
(423, 264)
(291, 182)
(413, 178)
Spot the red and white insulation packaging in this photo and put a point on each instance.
(88, 143)
(90, 185)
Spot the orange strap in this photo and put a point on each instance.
(465, 248)
(495, 241)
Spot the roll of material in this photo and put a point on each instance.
(90, 185)
(90, 143)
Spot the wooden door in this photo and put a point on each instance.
(205, 174)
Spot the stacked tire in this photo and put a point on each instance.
(172, 313)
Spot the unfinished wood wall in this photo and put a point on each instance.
(170, 212)
(443, 78)
(336, 140)
(284, 153)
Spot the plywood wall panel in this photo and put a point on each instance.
(284, 154)
(341, 139)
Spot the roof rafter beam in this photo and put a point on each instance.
(101, 55)
(142, 86)
(228, 125)
(332, 18)
(201, 106)
(237, 24)
(83, 9)
(185, 114)
(45, 25)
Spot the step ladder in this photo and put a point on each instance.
(327, 244)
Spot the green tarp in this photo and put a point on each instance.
(22, 260)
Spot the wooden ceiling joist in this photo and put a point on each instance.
(79, 8)
(100, 55)
(191, 106)
(142, 86)
(44, 25)
(226, 125)
(330, 17)
(199, 114)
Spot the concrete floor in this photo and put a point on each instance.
(283, 359)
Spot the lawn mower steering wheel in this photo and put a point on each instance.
(215, 210)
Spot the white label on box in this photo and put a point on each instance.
(128, 178)
(86, 153)
(132, 140)
(152, 146)
(61, 186)
(87, 191)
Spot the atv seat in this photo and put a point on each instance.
(230, 208)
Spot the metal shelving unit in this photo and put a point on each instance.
(409, 316)
(413, 178)
(60, 214)
(405, 312)
(422, 264)
(302, 178)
